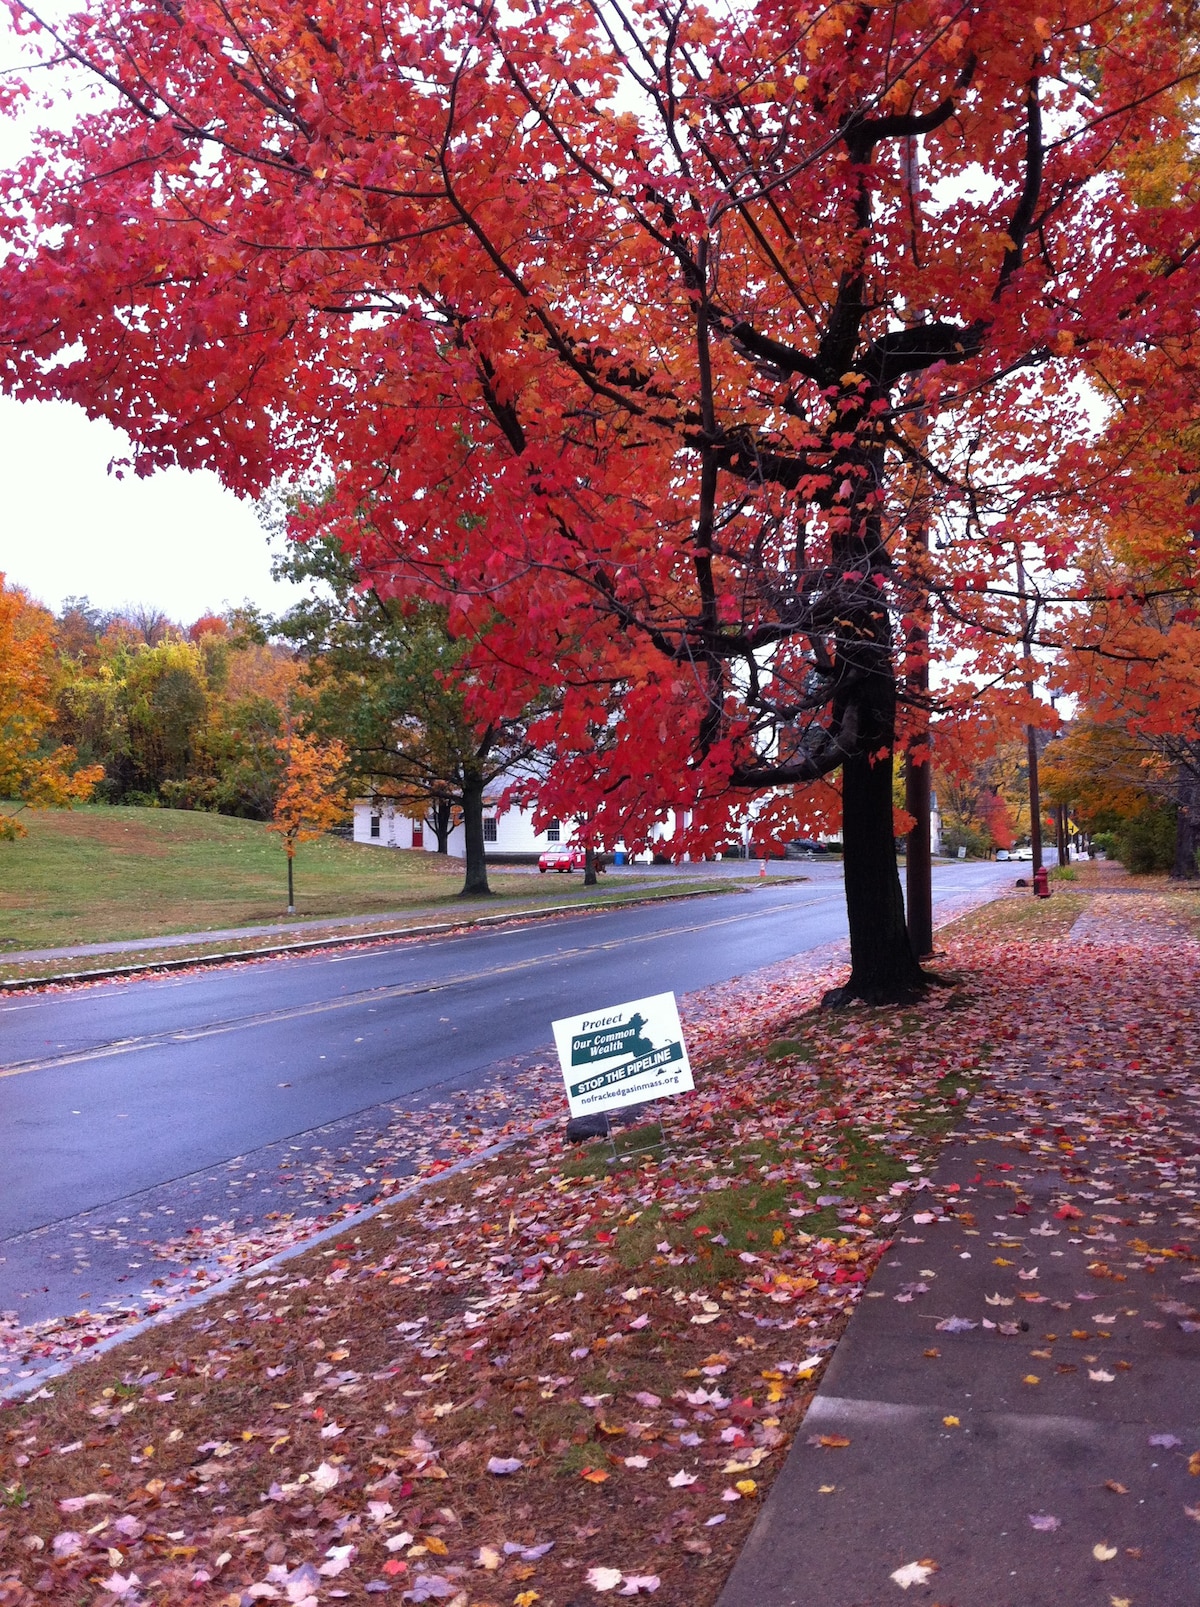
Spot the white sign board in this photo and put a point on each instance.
(623, 1056)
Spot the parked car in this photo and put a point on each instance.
(561, 859)
(805, 848)
(569, 859)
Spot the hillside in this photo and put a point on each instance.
(101, 873)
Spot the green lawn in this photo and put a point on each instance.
(95, 874)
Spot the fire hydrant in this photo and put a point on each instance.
(1041, 883)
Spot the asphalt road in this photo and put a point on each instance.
(135, 1094)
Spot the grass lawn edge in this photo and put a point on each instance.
(172, 959)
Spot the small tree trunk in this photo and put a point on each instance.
(918, 792)
(475, 884)
(1064, 841)
(291, 909)
(1187, 830)
(589, 867)
(440, 817)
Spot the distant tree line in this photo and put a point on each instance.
(200, 716)
(184, 716)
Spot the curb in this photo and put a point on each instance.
(231, 956)
(160, 1319)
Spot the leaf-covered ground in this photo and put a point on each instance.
(551, 1379)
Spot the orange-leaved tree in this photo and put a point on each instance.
(34, 774)
(628, 335)
(312, 797)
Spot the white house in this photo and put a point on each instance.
(508, 835)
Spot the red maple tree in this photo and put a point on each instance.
(640, 336)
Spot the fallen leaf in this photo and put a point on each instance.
(1044, 1523)
(122, 1585)
(77, 1503)
(603, 1578)
(595, 1475)
(914, 1573)
(1103, 1553)
(501, 1465)
(338, 1561)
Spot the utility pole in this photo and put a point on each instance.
(918, 761)
(1035, 796)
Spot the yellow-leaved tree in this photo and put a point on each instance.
(312, 798)
(33, 775)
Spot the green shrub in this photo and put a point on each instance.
(1146, 844)
(978, 844)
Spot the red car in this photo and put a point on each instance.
(563, 859)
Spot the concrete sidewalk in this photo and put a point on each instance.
(1009, 1419)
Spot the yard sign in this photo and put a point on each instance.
(623, 1056)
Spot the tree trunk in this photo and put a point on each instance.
(883, 967)
(1187, 829)
(440, 818)
(589, 867)
(475, 884)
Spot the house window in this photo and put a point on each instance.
(554, 832)
(489, 828)
(374, 825)
(418, 840)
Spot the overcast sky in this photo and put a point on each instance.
(178, 542)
